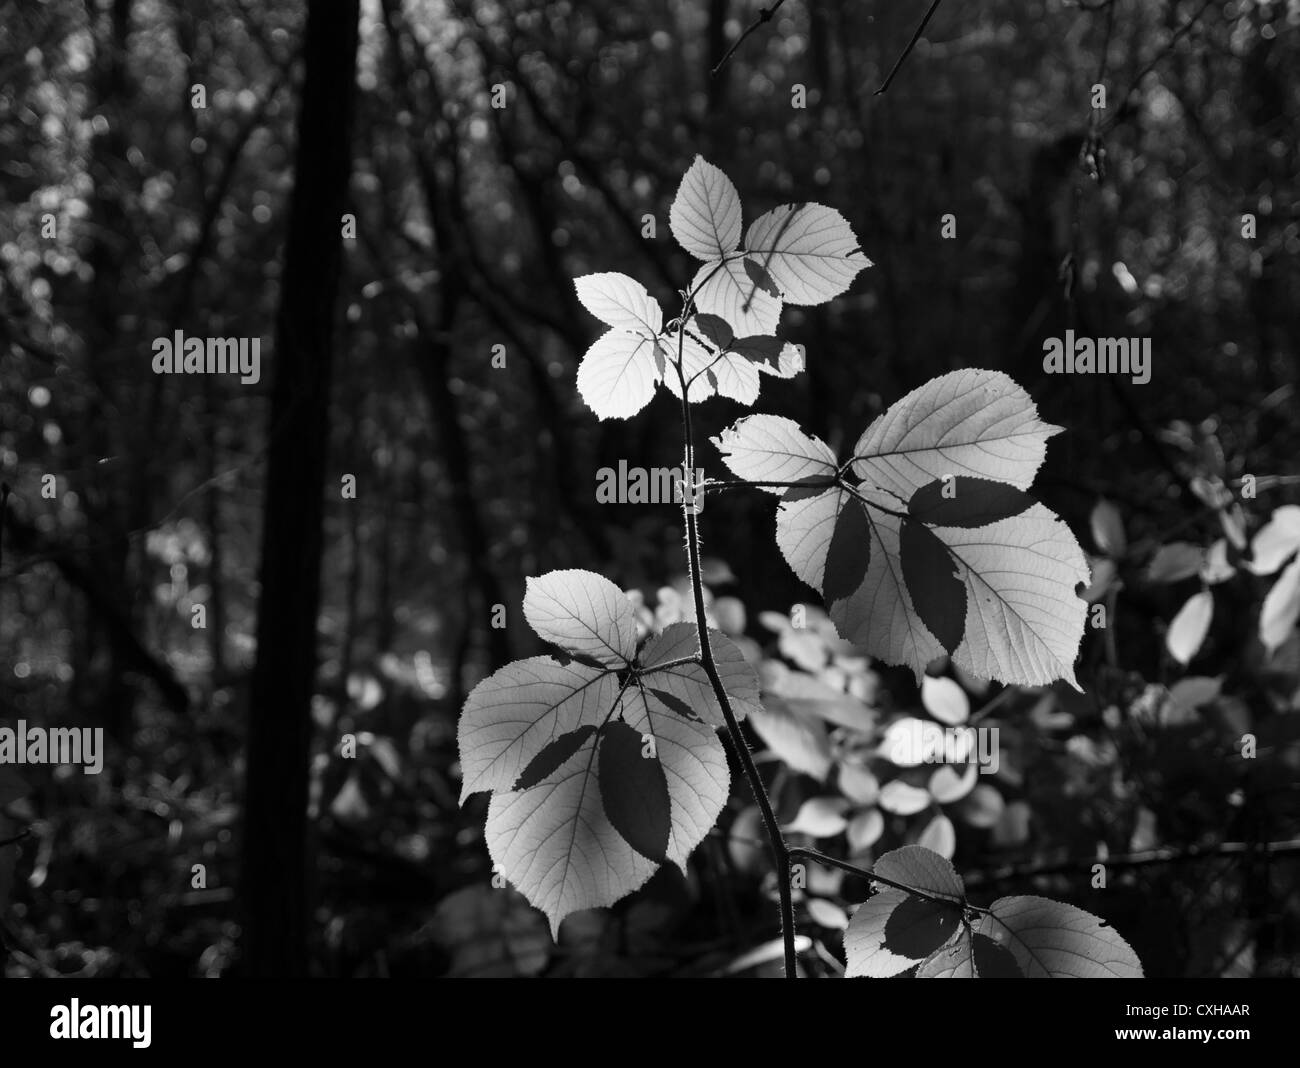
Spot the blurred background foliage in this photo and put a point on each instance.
(470, 223)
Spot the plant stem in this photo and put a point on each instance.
(780, 853)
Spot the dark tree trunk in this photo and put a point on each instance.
(275, 861)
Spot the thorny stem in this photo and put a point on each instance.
(780, 852)
(764, 15)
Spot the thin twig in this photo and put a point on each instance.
(764, 15)
(934, 6)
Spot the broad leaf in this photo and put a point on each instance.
(514, 714)
(808, 250)
(893, 930)
(621, 302)
(725, 290)
(705, 214)
(1051, 939)
(617, 376)
(922, 870)
(583, 613)
(770, 448)
(971, 422)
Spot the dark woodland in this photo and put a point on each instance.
(230, 578)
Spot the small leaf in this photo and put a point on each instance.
(1277, 618)
(1276, 540)
(799, 741)
(858, 784)
(945, 700)
(819, 817)
(982, 807)
(1174, 562)
(705, 213)
(849, 554)
(903, 799)
(939, 836)
(864, 830)
(1049, 939)
(583, 613)
(715, 329)
(948, 785)
(1108, 529)
(760, 277)
(553, 756)
(634, 790)
(827, 914)
(937, 592)
(1189, 627)
(971, 502)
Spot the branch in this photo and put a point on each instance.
(764, 15)
(898, 63)
(1145, 859)
(780, 855)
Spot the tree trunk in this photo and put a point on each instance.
(275, 859)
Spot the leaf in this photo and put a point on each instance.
(808, 250)
(1108, 529)
(849, 553)
(689, 683)
(923, 870)
(892, 930)
(864, 830)
(771, 448)
(724, 289)
(552, 756)
(827, 914)
(705, 213)
(970, 957)
(858, 784)
(945, 700)
(634, 790)
(982, 807)
(1281, 608)
(1276, 540)
(1049, 939)
(760, 277)
(515, 713)
(819, 817)
(1174, 562)
(715, 330)
(1189, 627)
(561, 847)
(903, 799)
(947, 786)
(939, 836)
(736, 377)
(937, 590)
(617, 376)
(811, 696)
(970, 422)
(970, 502)
(798, 740)
(584, 614)
(621, 302)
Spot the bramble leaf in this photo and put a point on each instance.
(705, 213)
(808, 250)
(1050, 939)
